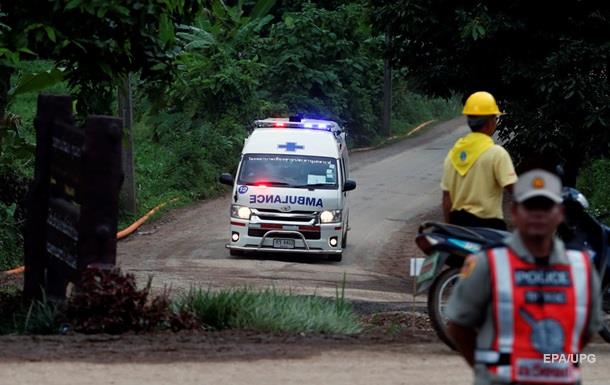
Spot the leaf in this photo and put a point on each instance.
(262, 8)
(289, 21)
(166, 29)
(50, 33)
(72, 4)
(218, 9)
(37, 82)
(26, 50)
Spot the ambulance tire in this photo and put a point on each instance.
(237, 253)
(605, 331)
(335, 257)
(439, 323)
(344, 240)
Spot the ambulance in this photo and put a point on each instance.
(290, 193)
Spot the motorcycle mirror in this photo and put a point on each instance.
(559, 170)
(571, 195)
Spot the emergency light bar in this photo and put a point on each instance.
(312, 125)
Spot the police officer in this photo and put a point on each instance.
(476, 171)
(524, 310)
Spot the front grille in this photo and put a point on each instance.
(312, 235)
(292, 216)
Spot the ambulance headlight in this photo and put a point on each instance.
(330, 216)
(241, 212)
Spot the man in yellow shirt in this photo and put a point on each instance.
(476, 170)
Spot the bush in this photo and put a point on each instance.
(110, 302)
(594, 182)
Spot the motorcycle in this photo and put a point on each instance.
(447, 246)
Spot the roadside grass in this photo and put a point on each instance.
(111, 303)
(411, 109)
(20, 317)
(270, 310)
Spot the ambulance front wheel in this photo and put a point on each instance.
(335, 257)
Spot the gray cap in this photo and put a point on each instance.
(537, 183)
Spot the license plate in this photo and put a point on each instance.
(283, 243)
(428, 268)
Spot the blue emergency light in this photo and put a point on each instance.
(283, 124)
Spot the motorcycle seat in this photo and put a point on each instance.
(490, 234)
(480, 235)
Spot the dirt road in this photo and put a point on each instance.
(241, 359)
(396, 184)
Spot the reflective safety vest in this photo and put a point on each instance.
(540, 315)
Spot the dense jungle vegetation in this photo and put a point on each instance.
(202, 70)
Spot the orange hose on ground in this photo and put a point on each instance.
(134, 226)
(17, 270)
(120, 235)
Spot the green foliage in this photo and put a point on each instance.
(11, 240)
(35, 317)
(234, 68)
(549, 73)
(411, 109)
(594, 183)
(269, 310)
(330, 65)
(120, 37)
(17, 153)
(34, 82)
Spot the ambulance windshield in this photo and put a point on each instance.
(288, 171)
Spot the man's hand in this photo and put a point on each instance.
(446, 205)
(464, 339)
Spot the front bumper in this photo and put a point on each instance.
(302, 244)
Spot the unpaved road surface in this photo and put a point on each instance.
(236, 359)
(397, 186)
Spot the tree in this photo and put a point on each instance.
(549, 70)
(98, 42)
(330, 63)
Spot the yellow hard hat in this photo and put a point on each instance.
(481, 103)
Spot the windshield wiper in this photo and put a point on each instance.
(314, 185)
(268, 183)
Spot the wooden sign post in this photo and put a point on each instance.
(73, 200)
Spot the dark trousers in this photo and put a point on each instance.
(464, 218)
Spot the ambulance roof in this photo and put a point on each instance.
(292, 141)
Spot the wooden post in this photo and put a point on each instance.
(50, 110)
(128, 191)
(101, 181)
(387, 92)
(73, 201)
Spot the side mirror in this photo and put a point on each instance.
(227, 179)
(349, 185)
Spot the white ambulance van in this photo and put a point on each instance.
(290, 191)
